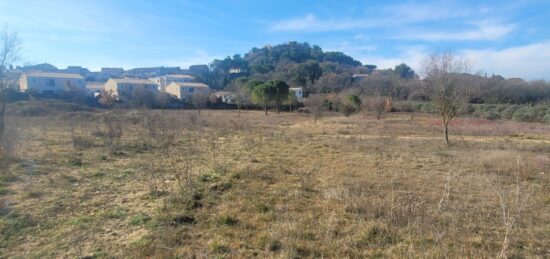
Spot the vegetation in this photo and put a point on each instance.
(170, 183)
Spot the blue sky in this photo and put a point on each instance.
(511, 38)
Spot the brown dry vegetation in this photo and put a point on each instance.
(176, 184)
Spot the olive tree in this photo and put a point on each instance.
(448, 89)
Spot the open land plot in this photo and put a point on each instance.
(175, 183)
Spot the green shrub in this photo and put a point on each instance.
(492, 115)
(509, 112)
(524, 114)
(546, 118)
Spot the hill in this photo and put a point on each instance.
(299, 64)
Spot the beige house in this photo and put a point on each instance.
(163, 81)
(125, 86)
(185, 91)
(49, 82)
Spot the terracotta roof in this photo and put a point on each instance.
(128, 80)
(53, 75)
(189, 84)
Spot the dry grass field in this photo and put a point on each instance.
(163, 184)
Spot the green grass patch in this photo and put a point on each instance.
(227, 220)
(140, 219)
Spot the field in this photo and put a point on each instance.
(140, 183)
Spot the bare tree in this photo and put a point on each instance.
(9, 53)
(317, 104)
(242, 97)
(200, 99)
(449, 93)
(376, 104)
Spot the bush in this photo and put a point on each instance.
(524, 114)
(509, 112)
(546, 118)
(492, 115)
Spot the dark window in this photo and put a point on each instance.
(191, 89)
(50, 82)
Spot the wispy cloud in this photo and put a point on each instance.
(389, 16)
(528, 61)
(414, 21)
(481, 31)
(311, 23)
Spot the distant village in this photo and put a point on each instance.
(183, 84)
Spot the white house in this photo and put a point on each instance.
(298, 92)
(185, 91)
(163, 81)
(226, 97)
(125, 86)
(50, 82)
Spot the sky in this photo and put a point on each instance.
(509, 38)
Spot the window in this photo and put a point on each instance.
(50, 82)
(191, 89)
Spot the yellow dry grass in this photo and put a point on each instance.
(275, 186)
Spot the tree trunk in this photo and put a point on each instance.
(239, 109)
(277, 108)
(2, 113)
(265, 108)
(446, 129)
(314, 118)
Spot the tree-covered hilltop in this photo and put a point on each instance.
(299, 64)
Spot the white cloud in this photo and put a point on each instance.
(482, 31)
(412, 56)
(528, 61)
(388, 16)
(311, 23)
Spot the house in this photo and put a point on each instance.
(236, 70)
(226, 97)
(95, 88)
(298, 92)
(50, 82)
(360, 76)
(125, 86)
(163, 81)
(185, 91)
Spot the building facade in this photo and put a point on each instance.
(186, 91)
(226, 97)
(298, 92)
(49, 82)
(124, 87)
(163, 81)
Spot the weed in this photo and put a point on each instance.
(227, 220)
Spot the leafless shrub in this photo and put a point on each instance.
(78, 143)
(109, 130)
(317, 104)
(375, 104)
(512, 203)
